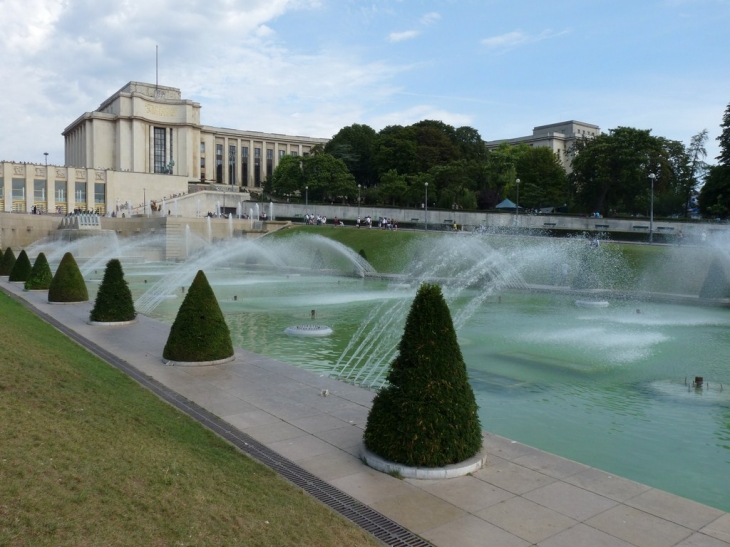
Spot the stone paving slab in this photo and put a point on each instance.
(523, 496)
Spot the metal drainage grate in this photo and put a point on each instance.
(389, 532)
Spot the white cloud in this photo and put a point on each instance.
(511, 40)
(401, 36)
(430, 18)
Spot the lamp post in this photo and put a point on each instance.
(517, 205)
(46, 155)
(306, 200)
(652, 176)
(426, 224)
(358, 201)
(144, 203)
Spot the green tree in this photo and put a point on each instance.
(7, 262)
(288, 177)
(724, 139)
(392, 188)
(114, 300)
(68, 284)
(355, 146)
(427, 414)
(328, 178)
(199, 332)
(715, 193)
(611, 171)
(396, 148)
(21, 268)
(40, 275)
(543, 179)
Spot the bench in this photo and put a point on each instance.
(414, 220)
(665, 229)
(298, 215)
(549, 224)
(639, 227)
(601, 226)
(449, 221)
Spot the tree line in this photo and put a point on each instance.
(610, 172)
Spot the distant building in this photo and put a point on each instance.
(558, 137)
(147, 128)
(145, 142)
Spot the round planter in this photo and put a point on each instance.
(460, 469)
(113, 323)
(199, 363)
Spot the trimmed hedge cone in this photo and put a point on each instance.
(21, 269)
(716, 283)
(114, 300)
(68, 284)
(7, 262)
(40, 275)
(200, 332)
(427, 415)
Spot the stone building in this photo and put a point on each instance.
(558, 137)
(144, 143)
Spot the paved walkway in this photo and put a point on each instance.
(522, 497)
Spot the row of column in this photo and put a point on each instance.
(240, 143)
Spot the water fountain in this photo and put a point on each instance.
(604, 386)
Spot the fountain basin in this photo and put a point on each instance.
(308, 330)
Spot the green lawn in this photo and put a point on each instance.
(88, 457)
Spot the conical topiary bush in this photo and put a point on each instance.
(21, 268)
(68, 284)
(7, 262)
(427, 415)
(716, 282)
(40, 275)
(199, 332)
(114, 300)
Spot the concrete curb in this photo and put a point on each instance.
(430, 473)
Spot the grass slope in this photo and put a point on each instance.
(91, 458)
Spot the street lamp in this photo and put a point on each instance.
(426, 206)
(358, 201)
(46, 155)
(144, 203)
(652, 176)
(517, 206)
(306, 200)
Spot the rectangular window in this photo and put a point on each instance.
(18, 189)
(219, 163)
(244, 165)
(60, 191)
(281, 154)
(232, 165)
(160, 163)
(2, 188)
(39, 190)
(80, 193)
(257, 167)
(202, 148)
(99, 193)
(202, 163)
(294, 153)
(171, 163)
(269, 162)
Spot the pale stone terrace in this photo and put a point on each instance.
(522, 497)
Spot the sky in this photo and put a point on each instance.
(311, 67)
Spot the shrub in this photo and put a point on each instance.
(716, 284)
(7, 262)
(21, 268)
(68, 284)
(199, 332)
(114, 299)
(40, 275)
(427, 415)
